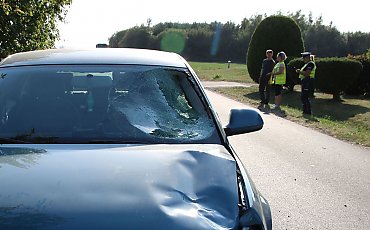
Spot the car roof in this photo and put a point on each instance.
(97, 56)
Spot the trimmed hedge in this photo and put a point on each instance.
(292, 64)
(362, 85)
(278, 33)
(333, 75)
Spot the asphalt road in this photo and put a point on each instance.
(311, 180)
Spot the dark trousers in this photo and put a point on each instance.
(305, 93)
(312, 87)
(264, 89)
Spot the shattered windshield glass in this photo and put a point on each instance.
(102, 104)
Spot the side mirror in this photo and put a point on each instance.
(243, 121)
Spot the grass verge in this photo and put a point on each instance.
(220, 72)
(347, 120)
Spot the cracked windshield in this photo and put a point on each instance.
(105, 104)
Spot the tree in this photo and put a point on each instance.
(278, 33)
(30, 24)
(228, 33)
(159, 28)
(171, 40)
(239, 46)
(114, 40)
(136, 37)
(198, 44)
(358, 43)
(303, 21)
(325, 41)
(249, 25)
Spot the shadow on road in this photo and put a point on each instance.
(321, 107)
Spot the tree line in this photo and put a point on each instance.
(229, 41)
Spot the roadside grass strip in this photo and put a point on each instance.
(348, 119)
(220, 72)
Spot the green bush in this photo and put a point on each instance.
(333, 75)
(278, 33)
(361, 86)
(292, 78)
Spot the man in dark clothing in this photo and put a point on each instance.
(306, 74)
(312, 65)
(264, 81)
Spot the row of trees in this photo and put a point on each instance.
(229, 41)
(202, 41)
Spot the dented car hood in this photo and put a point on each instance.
(117, 187)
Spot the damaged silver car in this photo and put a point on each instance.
(119, 139)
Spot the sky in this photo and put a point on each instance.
(89, 22)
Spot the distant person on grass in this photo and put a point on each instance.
(307, 74)
(279, 78)
(265, 79)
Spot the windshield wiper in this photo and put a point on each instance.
(28, 140)
(4, 140)
(119, 142)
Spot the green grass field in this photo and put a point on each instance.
(220, 72)
(347, 120)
